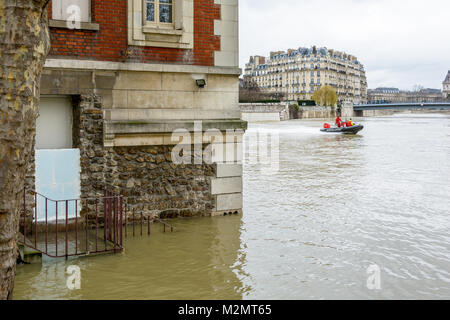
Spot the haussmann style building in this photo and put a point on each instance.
(298, 73)
(395, 95)
(118, 82)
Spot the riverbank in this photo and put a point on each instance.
(268, 112)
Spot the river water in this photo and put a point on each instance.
(336, 217)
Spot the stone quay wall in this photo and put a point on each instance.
(145, 175)
(316, 112)
(389, 112)
(375, 113)
(153, 184)
(255, 112)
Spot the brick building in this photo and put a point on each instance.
(121, 77)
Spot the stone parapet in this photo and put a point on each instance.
(262, 107)
(70, 64)
(257, 112)
(316, 112)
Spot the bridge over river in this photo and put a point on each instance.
(386, 108)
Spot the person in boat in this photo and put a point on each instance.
(338, 122)
(350, 123)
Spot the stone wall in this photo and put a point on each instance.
(260, 117)
(316, 112)
(144, 175)
(347, 110)
(153, 184)
(374, 113)
(144, 92)
(88, 137)
(255, 112)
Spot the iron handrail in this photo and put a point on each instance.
(110, 213)
(75, 199)
(113, 207)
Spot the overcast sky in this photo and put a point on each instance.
(401, 43)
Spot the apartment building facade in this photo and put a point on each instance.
(298, 73)
(390, 95)
(122, 76)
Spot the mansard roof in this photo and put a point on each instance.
(385, 90)
(448, 77)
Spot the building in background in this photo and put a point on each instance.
(382, 95)
(446, 87)
(390, 95)
(118, 83)
(298, 73)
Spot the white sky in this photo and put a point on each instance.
(401, 43)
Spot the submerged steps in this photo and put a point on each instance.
(28, 255)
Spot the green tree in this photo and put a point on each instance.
(24, 44)
(325, 96)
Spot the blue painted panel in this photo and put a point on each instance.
(57, 178)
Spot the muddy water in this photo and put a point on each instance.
(338, 207)
(195, 261)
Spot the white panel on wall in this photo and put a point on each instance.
(58, 178)
(54, 124)
(67, 9)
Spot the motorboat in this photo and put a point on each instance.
(345, 130)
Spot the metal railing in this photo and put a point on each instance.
(76, 227)
(67, 228)
(140, 224)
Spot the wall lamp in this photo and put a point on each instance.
(201, 83)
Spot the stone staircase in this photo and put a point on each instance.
(28, 255)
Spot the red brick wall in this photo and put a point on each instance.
(110, 43)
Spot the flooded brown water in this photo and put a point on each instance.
(337, 205)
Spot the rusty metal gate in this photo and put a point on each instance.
(77, 227)
(66, 228)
